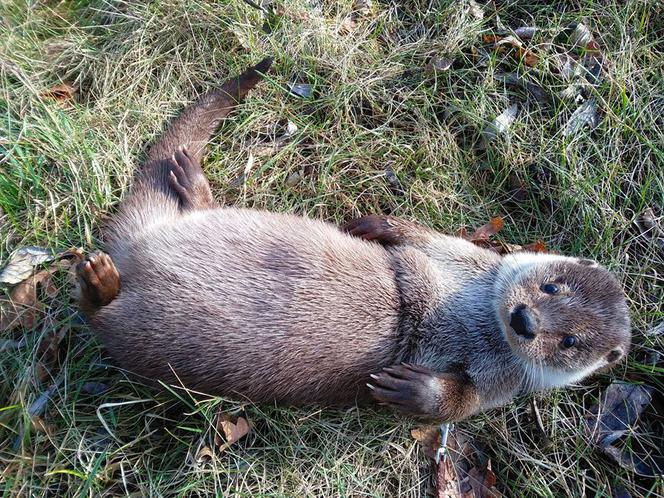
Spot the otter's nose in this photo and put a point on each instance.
(522, 321)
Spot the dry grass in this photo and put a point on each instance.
(374, 107)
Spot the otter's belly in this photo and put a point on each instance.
(255, 304)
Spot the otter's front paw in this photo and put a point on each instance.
(419, 392)
(385, 230)
(99, 280)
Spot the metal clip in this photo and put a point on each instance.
(444, 433)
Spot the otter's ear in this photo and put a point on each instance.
(588, 262)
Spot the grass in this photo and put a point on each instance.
(64, 165)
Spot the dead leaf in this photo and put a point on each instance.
(581, 36)
(23, 262)
(492, 38)
(302, 90)
(618, 410)
(583, 71)
(486, 231)
(526, 32)
(38, 406)
(9, 344)
(630, 461)
(63, 92)
(429, 438)
(438, 64)
(501, 124)
(21, 308)
(293, 179)
(394, 183)
(274, 146)
(584, 115)
(515, 80)
(347, 26)
(616, 415)
(204, 455)
(475, 9)
(232, 427)
(537, 246)
(651, 227)
(464, 472)
(521, 52)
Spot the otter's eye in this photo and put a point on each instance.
(552, 289)
(569, 341)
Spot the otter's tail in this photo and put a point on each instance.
(151, 198)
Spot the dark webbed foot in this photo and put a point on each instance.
(419, 392)
(187, 179)
(386, 230)
(99, 281)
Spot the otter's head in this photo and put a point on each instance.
(564, 317)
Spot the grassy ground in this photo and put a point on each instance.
(65, 164)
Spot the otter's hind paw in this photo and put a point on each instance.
(187, 179)
(419, 392)
(99, 280)
(387, 230)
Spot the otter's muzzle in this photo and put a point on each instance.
(523, 322)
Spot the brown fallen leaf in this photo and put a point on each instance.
(232, 427)
(521, 52)
(537, 246)
(482, 238)
(204, 455)
(488, 230)
(462, 472)
(22, 308)
(429, 438)
(62, 92)
(584, 70)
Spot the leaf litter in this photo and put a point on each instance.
(229, 429)
(616, 415)
(23, 262)
(463, 471)
(582, 71)
(21, 306)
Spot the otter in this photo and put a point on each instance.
(277, 307)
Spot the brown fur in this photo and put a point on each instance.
(278, 307)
